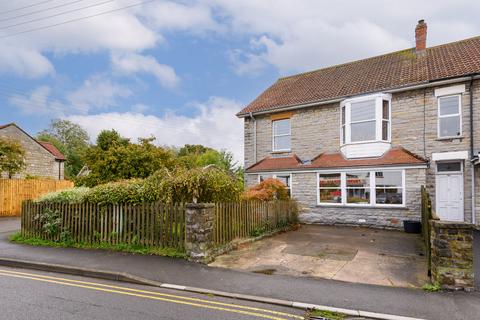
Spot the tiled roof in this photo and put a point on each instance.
(389, 71)
(53, 150)
(46, 145)
(6, 125)
(395, 156)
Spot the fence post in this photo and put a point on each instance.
(199, 219)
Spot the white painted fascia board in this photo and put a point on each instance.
(446, 91)
(455, 155)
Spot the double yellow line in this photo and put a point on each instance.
(193, 302)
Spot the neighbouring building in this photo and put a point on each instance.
(354, 142)
(42, 158)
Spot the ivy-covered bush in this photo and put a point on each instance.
(209, 184)
(73, 195)
(127, 191)
(267, 190)
(196, 185)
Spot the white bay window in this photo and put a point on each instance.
(362, 188)
(365, 129)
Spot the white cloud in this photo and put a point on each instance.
(140, 108)
(97, 92)
(306, 34)
(132, 63)
(24, 62)
(37, 103)
(194, 17)
(215, 126)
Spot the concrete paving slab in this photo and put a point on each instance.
(353, 254)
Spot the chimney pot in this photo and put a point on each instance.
(421, 36)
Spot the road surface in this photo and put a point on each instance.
(27, 294)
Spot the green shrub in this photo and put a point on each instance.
(73, 195)
(170, 186)
(127, 191)
(196, 185)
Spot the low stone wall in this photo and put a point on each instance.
(452, 255)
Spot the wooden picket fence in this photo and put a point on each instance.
(149, 224)
(248, 219)
(14, 191)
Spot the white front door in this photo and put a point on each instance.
(449, 195)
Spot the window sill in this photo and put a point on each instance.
(353, 206)
(281, 151)
(450, 138)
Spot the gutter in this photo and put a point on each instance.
(336, 100)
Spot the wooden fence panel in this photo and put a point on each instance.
(150, 224)
(245, 219)
(14, 191)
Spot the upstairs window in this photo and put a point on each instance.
(365, 119)
(362, 121)
(449, 116)
(281, 135)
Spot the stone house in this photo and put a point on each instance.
(355, 142)
(42, 158)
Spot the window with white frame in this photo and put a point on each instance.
(389, 187)
(449, 116)
(366, 119)
(330, 188)
(286, 178)
(358, 187)
(362, 188)
(281, 135)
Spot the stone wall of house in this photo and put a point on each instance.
(414, 126)
(39, 161)
(452, 255)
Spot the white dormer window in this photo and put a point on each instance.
(365, 126)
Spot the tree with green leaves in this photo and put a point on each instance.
(115, 158)
(70, 139)
(194, 156)
(12, 157)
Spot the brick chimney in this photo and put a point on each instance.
(420, 36)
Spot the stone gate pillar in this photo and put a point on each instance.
(199, 219)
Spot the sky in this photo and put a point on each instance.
(181, 70)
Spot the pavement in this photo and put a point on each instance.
(72, 297)
(353, 254)
(340, 294)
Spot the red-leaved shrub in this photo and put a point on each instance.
(267, 190)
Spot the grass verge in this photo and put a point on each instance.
(327, 314)
(131, 248)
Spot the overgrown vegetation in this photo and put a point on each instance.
(267, 190)
(68, 243)
(327, 314)
(432, 287)
(74, 195)
(12, 157)
(209, 184)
